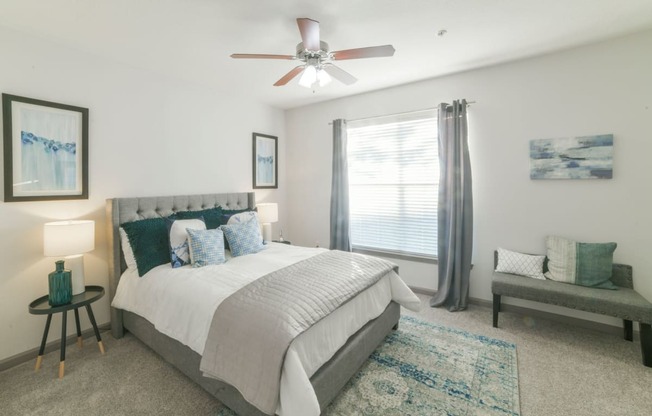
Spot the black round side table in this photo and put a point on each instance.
(41, 307)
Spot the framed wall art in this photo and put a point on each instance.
(265, 161)
(45, 150)
(585, 157)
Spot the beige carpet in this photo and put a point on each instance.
(563, 371)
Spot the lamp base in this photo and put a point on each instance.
(267, 232)
(76, 265)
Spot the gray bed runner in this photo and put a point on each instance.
(253, 328)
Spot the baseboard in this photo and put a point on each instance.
(49, 347)
(535, 313)
(423, 290)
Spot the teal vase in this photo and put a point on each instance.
(60, 284)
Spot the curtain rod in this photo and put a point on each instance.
(468, 104)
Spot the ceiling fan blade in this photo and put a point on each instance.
(260, 56)
(287, 77)
(340, 74)
(370, 52)
(309, 33)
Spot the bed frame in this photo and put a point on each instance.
(327, 381)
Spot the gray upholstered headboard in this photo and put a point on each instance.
(121, 210)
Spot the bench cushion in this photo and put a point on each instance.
(623, 303)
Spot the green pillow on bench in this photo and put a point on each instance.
(585, 264)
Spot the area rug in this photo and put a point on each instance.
(427, 369)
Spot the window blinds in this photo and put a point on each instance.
(393, 183)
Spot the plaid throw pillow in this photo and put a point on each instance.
(243, 238)
(206, 247)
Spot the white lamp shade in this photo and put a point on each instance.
(64, 238)
(309, 76)
(268, 212)
(323, 78)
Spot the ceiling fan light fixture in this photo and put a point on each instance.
(323, 78)
(316, 60)
(308, 77)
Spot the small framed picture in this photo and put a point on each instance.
(45, 150)
(265, 161)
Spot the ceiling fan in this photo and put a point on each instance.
(317, 61)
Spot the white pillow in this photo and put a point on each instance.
(127, 251)
(521, 264)
(242, 217)
(179, 251)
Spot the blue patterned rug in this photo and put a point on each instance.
(427, 369)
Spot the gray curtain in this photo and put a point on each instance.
(455, 212)
(340, 231)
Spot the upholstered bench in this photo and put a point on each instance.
(623, 303)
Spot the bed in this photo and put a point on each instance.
(326, 381)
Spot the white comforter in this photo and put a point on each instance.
(181, 302)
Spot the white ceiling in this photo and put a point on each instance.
(192, 39)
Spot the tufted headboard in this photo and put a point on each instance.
(121, 210)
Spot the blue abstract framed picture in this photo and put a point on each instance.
(45, 150)
(585, 157)
(265, 161)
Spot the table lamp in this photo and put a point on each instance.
(70, 239)
(267, 213)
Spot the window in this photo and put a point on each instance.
(394, 182)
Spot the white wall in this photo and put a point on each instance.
(596, 89)
(149, 135)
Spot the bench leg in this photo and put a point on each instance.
(496, 309)
(627, 325)
(646, 344)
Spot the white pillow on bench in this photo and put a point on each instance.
(522, 264)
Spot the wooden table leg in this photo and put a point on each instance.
(64, 316)
(80, 341)
(97, 332)
(43, 341)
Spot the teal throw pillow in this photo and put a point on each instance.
(595, 264)
(149, 243)
(211, 216)
(206, 247)
(243, 237)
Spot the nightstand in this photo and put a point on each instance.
(282, 242)
(41, 307)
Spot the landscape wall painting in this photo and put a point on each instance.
(585, 157)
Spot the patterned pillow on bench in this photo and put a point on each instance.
(585, 264)
(521, 264)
